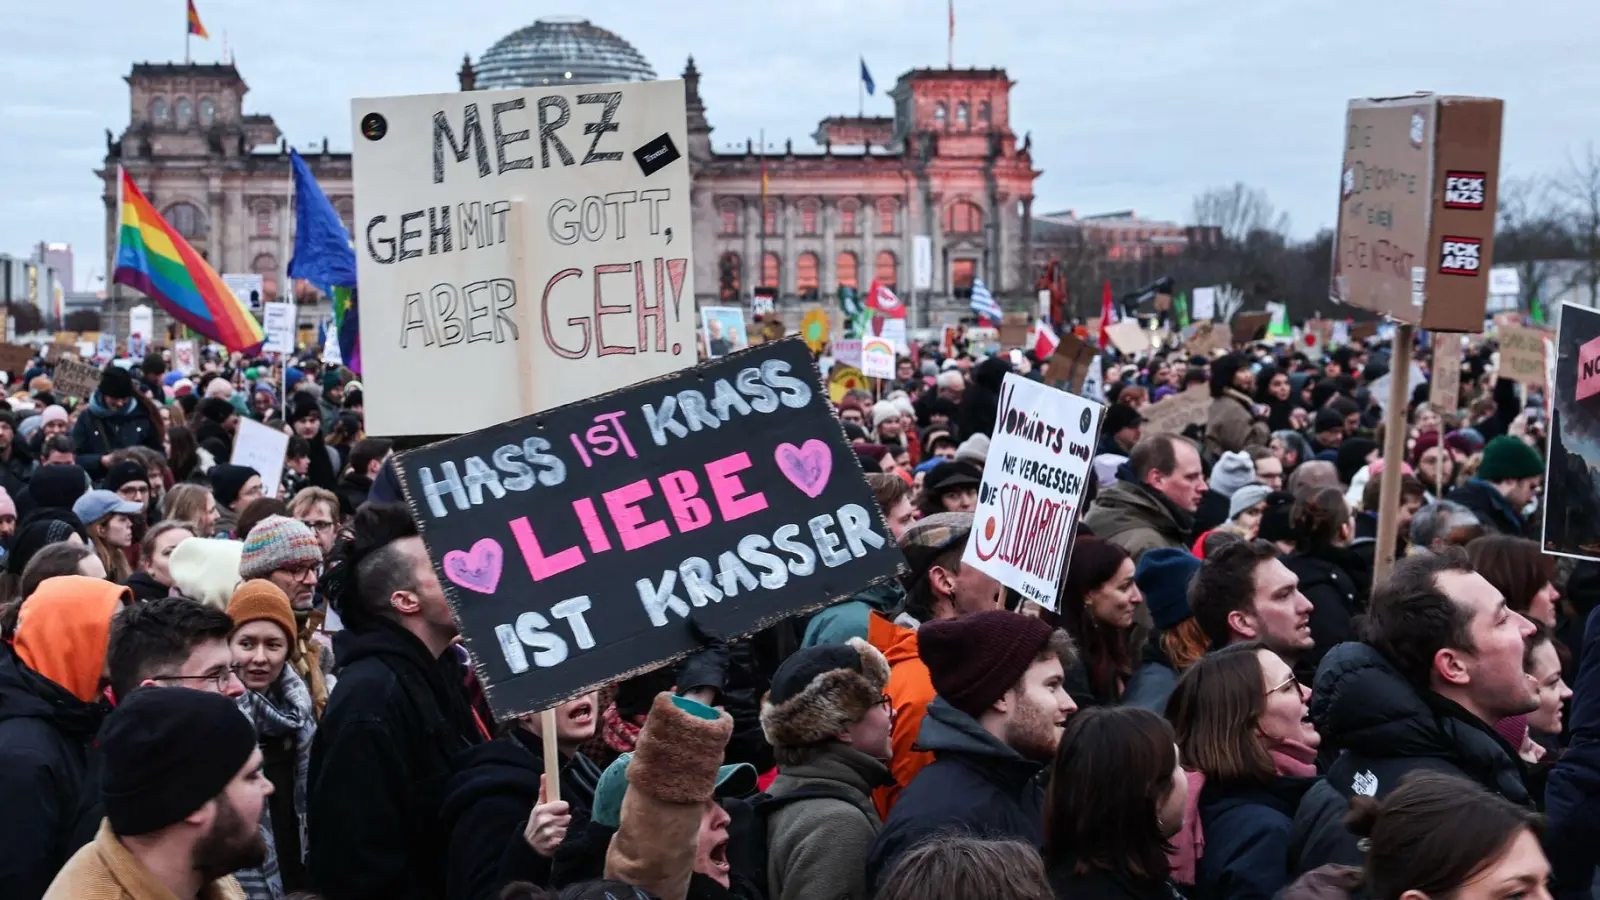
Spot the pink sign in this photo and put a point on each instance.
(1589, 369)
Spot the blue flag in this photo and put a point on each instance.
(322, 251)
(866, 77)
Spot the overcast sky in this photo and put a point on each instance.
(1131, 103)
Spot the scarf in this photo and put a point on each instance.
(1290, 758)
(620, 734)
(282, 710)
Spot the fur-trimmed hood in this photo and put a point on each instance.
(833, 695)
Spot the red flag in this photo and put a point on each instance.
(1044, 340)
(881, 299)
(1108, 315)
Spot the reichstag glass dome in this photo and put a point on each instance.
(560, 50)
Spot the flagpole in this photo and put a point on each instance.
(950, 61)
(761, 220)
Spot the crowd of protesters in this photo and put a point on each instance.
(206, 692)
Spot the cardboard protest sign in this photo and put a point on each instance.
(14, 359)
(1247, 326)
(1128, 336)
(573, 545)
(1416, 209)
(1175, 412)
(1360, 331)
(75, 379)
(1033, 482)
(263, 449)
(543, 231)
(877, 358)
(1444, 388)
(1069, 365)
(1571, 501)
(1522, 355)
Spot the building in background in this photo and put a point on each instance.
(28, 282)
(556, 50)
(57, 256)
(1120, 247)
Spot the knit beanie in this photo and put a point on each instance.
(278, 542)
(260, 600)
(53, 414)
(227, 480)
(116, 383)
(206, 569)
(1506, 458)
(167, 752)
(883, 411)
(1277, 523)
(1513, 729)
(1425, 441)
(124, 472)
(303, 406)
(974, 449)
(42, 531)
(1163, 576)
(974, 659)
(1327, 420)
(1246, 497)
(823, 690)
(8, 506)
(1233, 470)
(58, 485)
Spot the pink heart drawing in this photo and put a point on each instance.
(477, 570)
(807, 466)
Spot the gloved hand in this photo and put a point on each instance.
(707, 667)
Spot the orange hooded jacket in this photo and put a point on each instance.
(911, 690)
(64, 628)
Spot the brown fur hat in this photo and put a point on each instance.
(820, 691)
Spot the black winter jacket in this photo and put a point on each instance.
(975, 784)
(1102, 885)
(487, 804)
(1247, 838)
(49, 777)
(1572, 794)
(1490, 506)
(101, 430)
(1377, 728)
(1337, 582)
(395, 727)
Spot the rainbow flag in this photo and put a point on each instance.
(195, 28)
(154, 259)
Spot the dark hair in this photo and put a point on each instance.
(299, 447)
(149, 637)
(368, 451)
(184, 453)
(1102, 648)
(255, 511)
(1226, 583)
(61, 443)
(1434, 833)
(1410, 619)
(53, 560)
(1214, 709)
(919, 597)
(1370, 495)
(1112, 771)
(963, 867)
(1222, 372)
(367, 566)
(1515, 566)
(888, 489)
(1156, 453)
(1317, 516)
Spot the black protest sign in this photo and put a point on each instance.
(573, 545)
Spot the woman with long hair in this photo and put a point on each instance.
(1116, 798)
(194, 504)
(188, 461)
(1275, 393)
(154, 578)
(1521, 573)
(1332, 576)
(1097, 601)
(1178, 642)
(109, 520)
(1243, 731)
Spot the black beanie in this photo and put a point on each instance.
(124, 472)
(227, 480)
(215, 409)
(58, 485)
(167, 751)
(116, 383)
(303, 406)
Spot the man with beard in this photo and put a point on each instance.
(994, 725)
(183, 793)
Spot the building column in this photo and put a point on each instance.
(1025, 254)
(996, 241)
(941, 266)
(867, 226)
(786, 217)
(750, 258)
(828, 275)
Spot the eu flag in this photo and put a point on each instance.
(866, 77)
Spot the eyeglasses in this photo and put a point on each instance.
(320, 526)
(886, 701)
(133, 492)
(1287, 684)
(219, 678)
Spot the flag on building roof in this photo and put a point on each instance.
(154, 259)
(195, 28)
(983, 302)
(323, 256)
(866, 77)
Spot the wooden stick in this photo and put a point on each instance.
(1394, 448)
(528, 327)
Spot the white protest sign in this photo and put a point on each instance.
(141, 322)
(249, 289)
(894, 331)
(1205, 304)
(535, 242)
(1033, 481)
(331, 354)
(277, 321)
(263, 449)
(1505, 281)
(877, 358)
(183, 356)
(847, 351)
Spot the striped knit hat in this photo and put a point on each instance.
(278, 543)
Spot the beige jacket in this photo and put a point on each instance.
(103, 869)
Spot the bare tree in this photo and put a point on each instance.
(1530, 231)
(1239, 211)
(1229, 301)
(1579, 190)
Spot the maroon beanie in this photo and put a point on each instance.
(1425, 441)
(974, 659)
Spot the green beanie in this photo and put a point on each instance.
(1506, 458)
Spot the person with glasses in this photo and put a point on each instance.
(1249, 748)
(828, 720)
(173, 642)
(285, 552)
(318, 508)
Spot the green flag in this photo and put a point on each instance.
(1183, 310)
(1537, 309)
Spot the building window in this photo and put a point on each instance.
(961, 273)
(769, 270)
(159, 113)
(847, 270)
(940, 114)
(769, 217)
(263, 218)
(185, 112)
(730, 220)
(983, 113)
(808, 217)
(266, 265)
(886, 270)
(346, 208)
(187, 219)
(847, 217)
(961, 114)
(887, 210)
(728, 278)
(805, 276)
(208, 111)
(962, 217)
